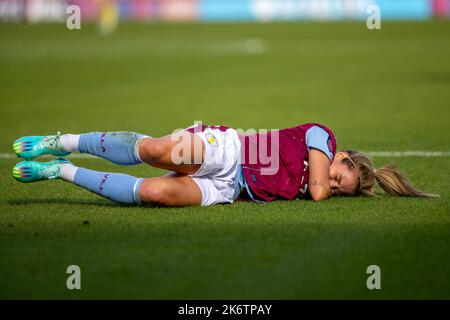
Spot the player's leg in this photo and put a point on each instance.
(118, 147)
(115, 186)
(181, 152)
(171, 191)
(118, 187)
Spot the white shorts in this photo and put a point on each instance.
(217, 175)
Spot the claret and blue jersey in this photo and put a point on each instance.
(318, 138)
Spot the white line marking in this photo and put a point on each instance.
(135, 47)
(375, 154)
(409, 153)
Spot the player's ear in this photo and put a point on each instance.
(341, 155)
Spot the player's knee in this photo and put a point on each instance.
(153, 149)
(154, 191)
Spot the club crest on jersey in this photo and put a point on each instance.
(211, 140)
(330, 145)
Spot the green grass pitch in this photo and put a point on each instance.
(378, 90)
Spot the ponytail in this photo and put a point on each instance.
(390, 178)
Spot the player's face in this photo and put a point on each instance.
(343, 180)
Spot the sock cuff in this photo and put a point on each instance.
(136, 148)
(68, 172)
(69, 142)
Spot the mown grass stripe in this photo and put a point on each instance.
(380, 154)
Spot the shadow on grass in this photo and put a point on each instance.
(440, 76)
(78, 202)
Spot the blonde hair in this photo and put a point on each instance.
(390, 178)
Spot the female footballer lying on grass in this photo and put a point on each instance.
(218, 165)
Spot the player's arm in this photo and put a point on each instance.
(319, 175)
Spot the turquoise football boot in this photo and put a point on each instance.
(31, 171)
(31, 147)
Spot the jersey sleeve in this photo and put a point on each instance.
(317, 138)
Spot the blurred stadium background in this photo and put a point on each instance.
(221, 10)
